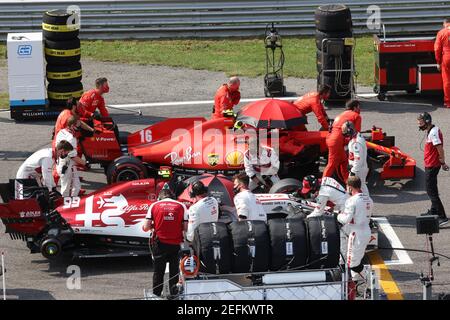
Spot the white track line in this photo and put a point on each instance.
(183, 103)
(403, 256)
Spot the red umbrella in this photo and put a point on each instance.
(271, 114)
(219, 187)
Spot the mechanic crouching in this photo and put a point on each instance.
(261, 164)
(205, 209)
(324, 192)
(355, 220)
(357, 154)
(66, 167)
(166, 219)
(247, 205)
(39, 166)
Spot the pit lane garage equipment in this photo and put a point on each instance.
(335, 46)
(26, 76)
(405, 63)
(273, 80)
(428, 225)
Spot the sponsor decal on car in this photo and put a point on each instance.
(235, 158)
(177, 160)
(213, 159)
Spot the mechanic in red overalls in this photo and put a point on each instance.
(312, 102)
(337, 157)
(73, 108)
(442, 53)
(167, 219)
(93, 99)
(227, 96)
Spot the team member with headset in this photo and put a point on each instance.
(434, 160)
(205, 209)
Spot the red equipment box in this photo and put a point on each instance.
(405, 64)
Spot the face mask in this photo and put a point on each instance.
(423, 128)
(236, 190)
(105, 88)
(63, 156)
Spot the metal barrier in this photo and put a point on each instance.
(150, 19)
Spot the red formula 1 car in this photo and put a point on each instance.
(193, 146)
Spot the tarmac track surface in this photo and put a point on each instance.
(33, 277)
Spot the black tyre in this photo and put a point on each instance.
(340, 87)
(126, 168)
(60, 25)
(63, 75)
(333, 63)
(320, 36)
(324, 242)
(63, 52)
(210, 238)
(288, 185)
(251, 246)
(58, 95)
(289, 243)
(51, 248)
(333, 18)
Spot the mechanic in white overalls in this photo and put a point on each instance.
(248, 207)
(357, 154)
(205, 209)
(322, 191)
(355, 220)
(39, 167)
(260, 161)
(66, 168)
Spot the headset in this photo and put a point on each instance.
(426, 117)
(197, 188)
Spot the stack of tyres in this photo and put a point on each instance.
(334, 22)
(289, 244)
(251, 246)
(62, 53)
(212, 244)
(324, 242)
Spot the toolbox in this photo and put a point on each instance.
(405, 63)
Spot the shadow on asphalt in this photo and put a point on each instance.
(29, 294)
(96, 266)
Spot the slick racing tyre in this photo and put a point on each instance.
(324, 242)
(251, 246)
(63, 52)
(333, 18)
(320, 36)
(126, 168)
(59, 25)
(289, 243)
(288, 185)
(58, 95)
(62, 75)
(212, 244)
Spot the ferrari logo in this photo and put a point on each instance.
(213, 159)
